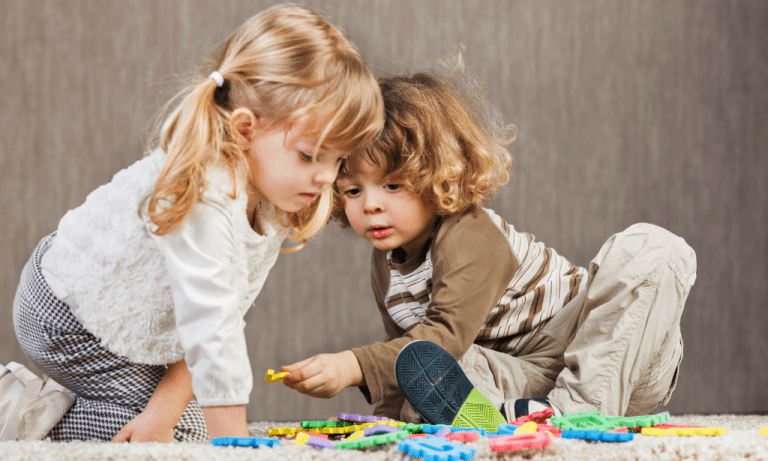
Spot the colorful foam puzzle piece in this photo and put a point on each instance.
(301, 438)
(528, 428)
(640, 421)
(432, 428)
(436, 449)
(443, 432)
(372, 440)
(362, 418)
(290, 431)
(463, 436)
(245, 442)
(320, 443)
(313, 434)
(539, 417)
(379, 429)
(684, 431)
(355, 435)
(595, 421)
(480, 431)
(271, 377)
(519, 442)
(507, 429)
(412, 428)
(597, 436)
(321, 424)
(335, 430)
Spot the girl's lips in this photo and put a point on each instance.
(380, 232)
(307, 197)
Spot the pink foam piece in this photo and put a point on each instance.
(463, 436)
(314, 434)
(538, 417)
(520, 442)
(555, 431)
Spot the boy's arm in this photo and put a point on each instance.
(473, 265)
(324, 375)
(164, 409)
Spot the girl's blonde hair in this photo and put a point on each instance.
(283, 64)
(442, 141)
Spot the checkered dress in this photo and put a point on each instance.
(109, 390)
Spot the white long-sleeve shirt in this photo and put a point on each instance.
(159, 299)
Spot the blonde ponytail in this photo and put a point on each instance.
(283, 64)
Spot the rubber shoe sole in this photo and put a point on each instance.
(438, 389)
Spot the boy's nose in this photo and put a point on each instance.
(372, 204)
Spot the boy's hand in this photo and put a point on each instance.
(324, 375)
(145, 427)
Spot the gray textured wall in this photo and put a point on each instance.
(628, 111)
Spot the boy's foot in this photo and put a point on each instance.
(438, 389)
(524, 407)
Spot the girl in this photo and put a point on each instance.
(454, 281)
(136, 303)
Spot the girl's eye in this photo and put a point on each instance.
(306, 157)
(352, 192)
(392, 187)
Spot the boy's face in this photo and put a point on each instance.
(384, 213)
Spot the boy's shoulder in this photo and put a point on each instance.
(479, 230)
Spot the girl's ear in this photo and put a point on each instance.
(243, 124)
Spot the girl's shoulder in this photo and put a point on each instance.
(223, 183)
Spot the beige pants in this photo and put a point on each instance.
(616, 348)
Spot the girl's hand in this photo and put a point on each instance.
(324, 375)
(145, 427)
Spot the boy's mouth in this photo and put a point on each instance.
(379, 231)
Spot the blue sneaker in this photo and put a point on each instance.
(437, 388)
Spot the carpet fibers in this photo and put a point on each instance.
(742, 442)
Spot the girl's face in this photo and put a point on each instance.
(283, 169)
(384, 213)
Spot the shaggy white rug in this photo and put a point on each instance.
(742, 442)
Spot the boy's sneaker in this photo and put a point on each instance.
(525, 407)
(438, 389)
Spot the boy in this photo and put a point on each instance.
(521, 320)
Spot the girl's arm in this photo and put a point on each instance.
(164, 409)
(228, 421)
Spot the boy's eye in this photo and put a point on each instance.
(392, 187)
(306, 157)
(352, 192)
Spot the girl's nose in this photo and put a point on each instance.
(326, 174)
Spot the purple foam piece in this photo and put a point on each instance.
(443, 432)
(380, 429)
(361, 418)
(320, 443)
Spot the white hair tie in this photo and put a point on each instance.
(216, 77)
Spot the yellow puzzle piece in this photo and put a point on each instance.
(273, 378)
(764, 431)
(528, 428)
(684, 431)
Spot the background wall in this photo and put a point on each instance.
(641, 111)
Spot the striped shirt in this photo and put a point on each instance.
(477, 280)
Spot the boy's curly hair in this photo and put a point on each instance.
(441, 141)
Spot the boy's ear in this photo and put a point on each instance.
(243, 124)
